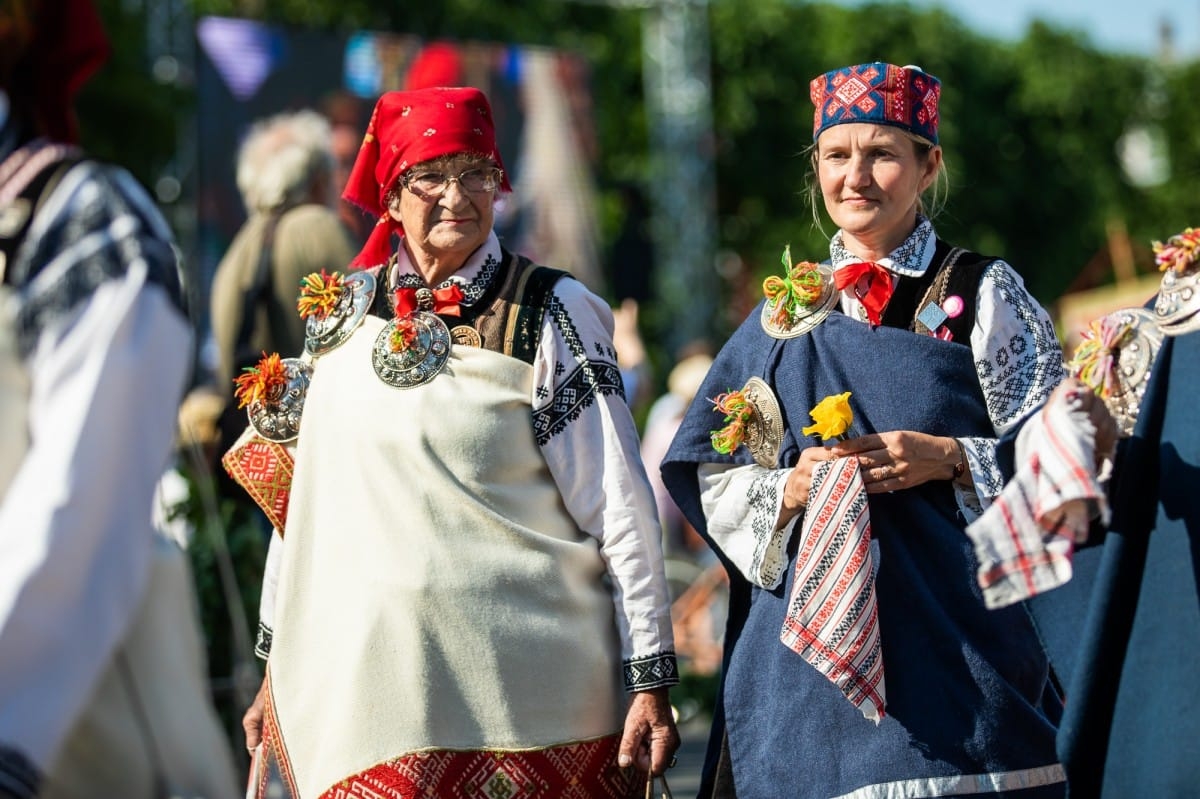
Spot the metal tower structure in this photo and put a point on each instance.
(676, 75)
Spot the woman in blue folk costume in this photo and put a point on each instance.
(860, 658)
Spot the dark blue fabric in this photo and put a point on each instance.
(1133, 712)
(967, 688)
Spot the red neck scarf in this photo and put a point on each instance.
(879, 286)
(445, 301)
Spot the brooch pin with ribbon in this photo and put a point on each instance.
(413, 348)
(332, 307)
(273, 392)
(1177, 308)
(799, 300)
(753, 418)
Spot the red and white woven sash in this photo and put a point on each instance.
(832, 617)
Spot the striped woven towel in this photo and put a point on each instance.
(832, 618)
(1026, 538)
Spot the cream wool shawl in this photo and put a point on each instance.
(434, 592)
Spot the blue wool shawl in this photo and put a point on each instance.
(968, 689)
(1129, 620)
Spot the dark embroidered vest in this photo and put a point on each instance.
(953, 271)
(508, 316)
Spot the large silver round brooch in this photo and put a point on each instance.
(425, 350)
(764, 430)
(1132, 366)
(277, 418)
(322, 334)
(802, 319)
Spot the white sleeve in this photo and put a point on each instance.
(266, 601)
(741, 507)
(75, 524)
(587, 435)
(1019, 362)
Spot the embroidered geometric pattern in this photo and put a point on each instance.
(271, 774)
(580, 389)
(1020, 373)
(770, 555)
(472, 290)
(93, 240)
(832, 616)
(654, 671)
(880, 93)
(262, 644)
(264, 468)
(586, 770)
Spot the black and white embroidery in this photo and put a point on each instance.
(92, 239)
(910, 258)
(1018, 375)
(587, 380)
(770, 545)
(472, 290)
(654, 671)
(262, 645)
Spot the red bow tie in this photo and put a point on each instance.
(879, 286)
(442, 301)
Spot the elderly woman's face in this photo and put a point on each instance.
(449, 227)
(871, 177)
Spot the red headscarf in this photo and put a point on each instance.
(51, 60)
(410, 128)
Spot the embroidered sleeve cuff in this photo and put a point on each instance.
(262, 645)
(653, 671)
(19, 778)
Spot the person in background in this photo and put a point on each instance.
(843, 437)
(284, 172)
(102, 678)
(465, 586)
(1123, 619)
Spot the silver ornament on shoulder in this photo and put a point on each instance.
(1177, 308)
(277, 418)
(805, 318)
(323, 335)
(764, 429)
(418, 362)
(1132, 365)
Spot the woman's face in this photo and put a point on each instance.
(445, 229)
(871, 177)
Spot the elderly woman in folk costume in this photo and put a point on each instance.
(1123, 625)
(465, 590)
(861, 659)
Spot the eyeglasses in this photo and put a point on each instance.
(434, 184)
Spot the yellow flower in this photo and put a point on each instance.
(832, 417)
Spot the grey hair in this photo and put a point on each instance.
(282, 158)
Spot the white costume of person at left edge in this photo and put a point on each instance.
(94, 354)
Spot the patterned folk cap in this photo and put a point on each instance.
(884, 94)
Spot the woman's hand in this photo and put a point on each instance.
(253, 720)
(799, 483)
(650, 738)
(901, 458)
